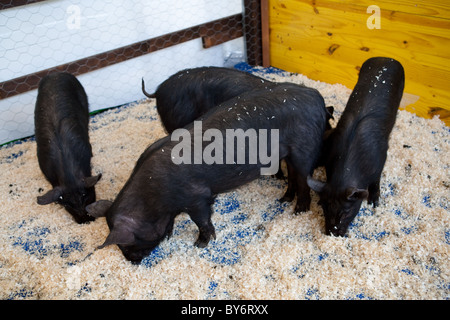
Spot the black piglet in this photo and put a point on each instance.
(355, 151)
(64, 153)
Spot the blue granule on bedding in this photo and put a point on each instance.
(426, 201)
(21, 294)
(66, 249)
(155, 257)
(273, 210)
(226, 204)
(226, 250)
(35, 242)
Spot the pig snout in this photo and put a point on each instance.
(76, 204)
(80, 216)
(335, 230)
(337, 226)
(135, 254)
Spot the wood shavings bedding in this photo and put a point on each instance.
(400, 250)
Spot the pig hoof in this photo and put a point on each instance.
(280, 175)
(286, 198)
(203, 240)
(301, 208)
(374, 202)
(201, 243)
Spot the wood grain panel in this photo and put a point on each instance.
(329, 41)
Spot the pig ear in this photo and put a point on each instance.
(89, 182)
(50, 196)
(314, 184)
(118, 236)
(98, 208)
(356, 194)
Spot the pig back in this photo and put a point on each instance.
(190, 93)
(61, 127)
(376, 95)
(299, 115)
(362, 133)
(297, 112)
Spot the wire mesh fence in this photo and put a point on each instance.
(110, 45)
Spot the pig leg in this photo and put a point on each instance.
(292, 185)
(303, 194)
(280, 174)
(374, 194)
(300, 170)
(201, 215)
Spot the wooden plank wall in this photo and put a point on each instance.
(329, 40)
